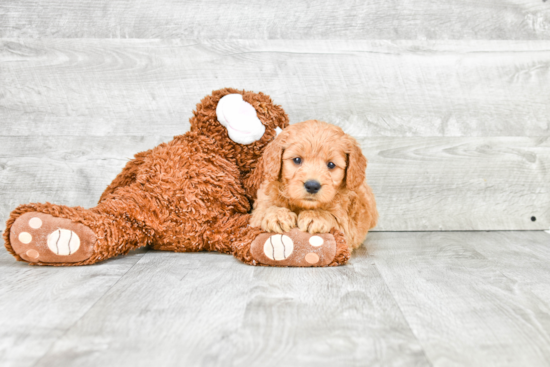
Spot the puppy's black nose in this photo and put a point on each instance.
(312, 186)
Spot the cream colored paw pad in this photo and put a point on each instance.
(35, 223)
(25, 237)
(316, 241)
(63, 242)
(278, 247)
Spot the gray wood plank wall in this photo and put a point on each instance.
(450, 101)
(282, 19)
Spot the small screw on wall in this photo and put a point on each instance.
(533, 219)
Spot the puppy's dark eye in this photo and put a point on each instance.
(331, 165)
(297, 160)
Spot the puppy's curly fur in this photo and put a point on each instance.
(319, 153)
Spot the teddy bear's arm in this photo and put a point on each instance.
(128, 174)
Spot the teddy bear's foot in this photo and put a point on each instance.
(300, 249)
(42, 238)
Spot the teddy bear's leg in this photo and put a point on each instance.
(39, 233)
(49, 234)
(294, 248)
(128, 174)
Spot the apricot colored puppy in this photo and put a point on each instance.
(314, 179)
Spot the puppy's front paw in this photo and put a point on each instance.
(316, 221)
(278, 220)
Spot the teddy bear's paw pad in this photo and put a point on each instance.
(278, 247)
(39, 237)
(294, 248)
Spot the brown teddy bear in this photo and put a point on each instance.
(193, 193)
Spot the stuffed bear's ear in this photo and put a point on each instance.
(240, 119)
(357, 165)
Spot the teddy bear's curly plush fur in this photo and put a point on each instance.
(193, 193)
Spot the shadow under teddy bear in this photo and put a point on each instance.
(193, 193)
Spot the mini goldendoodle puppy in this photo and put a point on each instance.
(314, 179)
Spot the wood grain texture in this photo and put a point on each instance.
(210, 310)
(420, 183)
(405, 299)
(465, 308)
(39, 304)
(369, 88)
(64, 170)
(526, 264)
(287, 19)
(448, 183)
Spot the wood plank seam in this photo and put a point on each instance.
(92, 305)
(400, 309)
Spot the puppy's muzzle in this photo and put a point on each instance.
(312, 186)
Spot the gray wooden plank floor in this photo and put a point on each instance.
(409, 298)
(38, 305)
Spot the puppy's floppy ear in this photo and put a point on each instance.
(269, 165)
(272, 159)
(357, 164)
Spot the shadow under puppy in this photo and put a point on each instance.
(314, 179)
